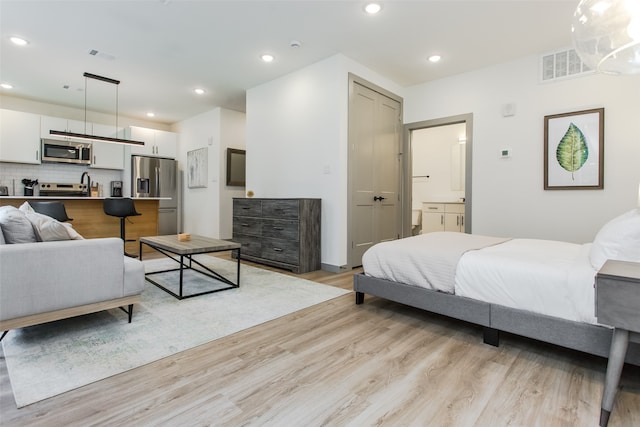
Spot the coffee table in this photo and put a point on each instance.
(170, 245)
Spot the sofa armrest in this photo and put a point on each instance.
(47, 276)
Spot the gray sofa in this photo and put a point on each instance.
(45, 281)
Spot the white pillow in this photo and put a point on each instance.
(15, 227)
(49, 229)
(26, 207)
(618, 239)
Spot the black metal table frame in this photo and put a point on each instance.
(183, 266)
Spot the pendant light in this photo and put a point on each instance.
(606, 35)
(84, 136)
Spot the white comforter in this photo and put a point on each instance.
(542, 276)
(403, 260)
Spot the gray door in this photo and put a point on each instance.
(375, 130)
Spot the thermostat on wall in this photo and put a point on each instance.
(505, 153)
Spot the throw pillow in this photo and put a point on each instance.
(16, 228)
(49, 229)
(618, 239)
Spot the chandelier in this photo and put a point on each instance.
(85, 136)
(606, 34)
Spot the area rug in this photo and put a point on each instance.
(46, 360)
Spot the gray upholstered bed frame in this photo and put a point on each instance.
(494, 318)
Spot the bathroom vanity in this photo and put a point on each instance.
(442, 216)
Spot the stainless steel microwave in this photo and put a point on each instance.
(66, 152)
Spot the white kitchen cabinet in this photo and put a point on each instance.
(48, 123)
(442, 217)
(19, 137)
(107, 155)
(145, 135)
(166, 144)
(158, 143)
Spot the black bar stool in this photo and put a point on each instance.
(53, 209)
(121, 207)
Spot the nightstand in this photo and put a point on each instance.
(617, 305)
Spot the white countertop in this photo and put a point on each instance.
(446, 202)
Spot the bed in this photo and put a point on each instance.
(540, 289)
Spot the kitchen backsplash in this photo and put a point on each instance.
(12, 174)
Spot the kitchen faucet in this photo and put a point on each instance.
(88, 182)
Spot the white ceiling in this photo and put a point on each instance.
(161, 50)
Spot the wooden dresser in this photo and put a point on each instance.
(282, 233)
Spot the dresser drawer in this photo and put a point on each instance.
(250, 245)
(281, 250)
(433, 207)
(454, 208)
(247, 207)
(247, 226)
(283, 209)
(280, 229)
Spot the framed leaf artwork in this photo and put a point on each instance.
(574, 150)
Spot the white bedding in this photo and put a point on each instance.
(542, 276)
(403, 260)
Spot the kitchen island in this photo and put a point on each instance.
(91, 222)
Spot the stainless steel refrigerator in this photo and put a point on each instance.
(156, 177)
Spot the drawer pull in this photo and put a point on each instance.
(245, 225)
(278, 228)
(432, 208)
(246, 208)
(277, 249)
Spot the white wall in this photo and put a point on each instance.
(232, 135)
(432, 154)
(297, 142)
(53, 110)
(508, 195)
(207, 211)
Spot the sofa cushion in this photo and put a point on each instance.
(49, 229)
(16, 228)
(63, 274)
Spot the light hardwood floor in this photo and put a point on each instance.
(339, 364)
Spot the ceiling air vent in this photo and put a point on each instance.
(561, 65)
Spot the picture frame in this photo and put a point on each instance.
(197, 163)
(236, 167)
(574, 150)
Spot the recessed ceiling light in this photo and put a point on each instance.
(372, 8)
(435, 58)
(267, 57)
(6, 86)
(199, 91)
(151, 114)
(18, 41)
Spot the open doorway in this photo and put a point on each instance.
(437, 188)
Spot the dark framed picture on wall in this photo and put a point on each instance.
(236, 167)
(574, 150)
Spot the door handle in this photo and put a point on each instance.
(376, 198)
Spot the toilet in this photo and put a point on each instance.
(416, 220)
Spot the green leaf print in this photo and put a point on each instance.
(572, 151)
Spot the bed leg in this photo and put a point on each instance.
(359, 298)
(491, 336)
